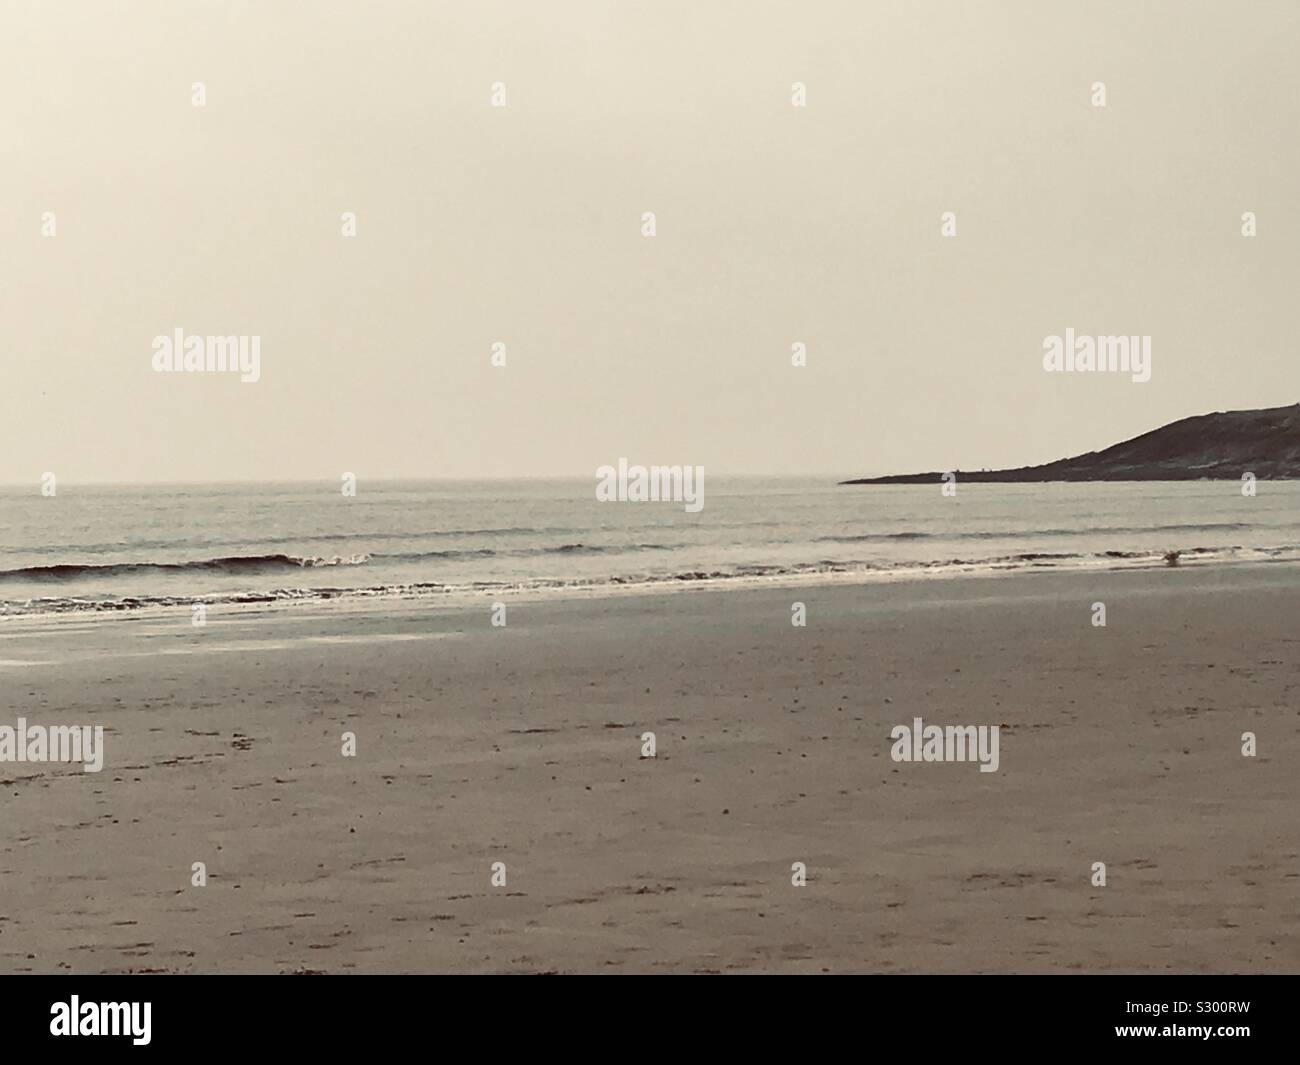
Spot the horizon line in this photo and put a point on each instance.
(382, 480)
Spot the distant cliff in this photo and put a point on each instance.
(1213, 446)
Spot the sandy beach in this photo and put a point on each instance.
(522, 745)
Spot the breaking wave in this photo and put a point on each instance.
(859, 570)
(249, 564)
(233, 564)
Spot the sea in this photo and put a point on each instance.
(110, 549)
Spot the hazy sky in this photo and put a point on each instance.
(522, 224)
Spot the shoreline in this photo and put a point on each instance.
(456, 596)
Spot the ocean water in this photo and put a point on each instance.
(119, 548)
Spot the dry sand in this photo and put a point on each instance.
(522, 745)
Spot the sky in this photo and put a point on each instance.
(523, 225)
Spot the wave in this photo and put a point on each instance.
(863, 570)
(1009, 534)
(236, 564)
(380, 536)
(526, 552)
(597, 549)
(323, 538)
(233, 564)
